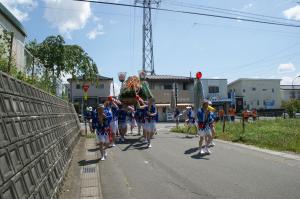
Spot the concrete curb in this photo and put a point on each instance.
(268, 151)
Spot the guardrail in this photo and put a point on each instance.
(37, 134)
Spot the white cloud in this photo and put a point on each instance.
(67, 15)
(112, 22)
(97, 31)
(20, 8)
(96, 19)
(247, 6)
(284, 68)
(288, 80)
(293, 13)
(117, 88)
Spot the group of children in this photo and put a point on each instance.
(111, 118)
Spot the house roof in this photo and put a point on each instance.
(10, 17)
(168, 77)
(290, 87)
(251, 79)
(98, 76)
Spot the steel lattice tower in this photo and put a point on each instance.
(148, 60)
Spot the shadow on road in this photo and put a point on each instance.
(191, 150)
(94, 149)
(131, 142)
(88, 162)
(199, 156)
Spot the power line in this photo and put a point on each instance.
(194, 13)
(291, 34)
(227, 11)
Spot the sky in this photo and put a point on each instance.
(183, 44)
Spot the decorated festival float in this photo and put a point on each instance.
(134, 89)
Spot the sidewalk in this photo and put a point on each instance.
(83, 177)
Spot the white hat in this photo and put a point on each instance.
(101, 106)
(188, 107)
(209, 102)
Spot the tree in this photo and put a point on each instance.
(51, 54)
(32, 59)
(5, 40)
(291, 107)
(78, 63)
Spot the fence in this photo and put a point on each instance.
(37, 134)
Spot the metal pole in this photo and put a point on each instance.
(113, 88)
(85, 124)
(223, 130)
(243, 123)
(10, 51)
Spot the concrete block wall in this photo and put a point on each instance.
(37, 134)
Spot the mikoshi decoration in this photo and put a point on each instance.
(134, 90)
(198, 91)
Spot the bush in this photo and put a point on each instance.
(291, 107)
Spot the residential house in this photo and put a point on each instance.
(96, 94)
(289, 92)
(256, 93)
(15, 30)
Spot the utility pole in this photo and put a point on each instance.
(148, 60)
(10, 51)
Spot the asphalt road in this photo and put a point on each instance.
(172, 168)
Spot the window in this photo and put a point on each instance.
(257, 102)
(151, 86)
(184, 86)
(264, 89)
(101, 86)
(213, 89)
(168, 86)
(245, 103)
(253, 89)
(272, 90)
(244, 90)
(77, 86)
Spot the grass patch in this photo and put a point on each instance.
(278, 134)
(90, 136)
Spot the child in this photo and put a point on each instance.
(131, 118)
(150, 121)
(190, 120)
(139, 116)
(122, 114)
(113, 105)
(104, 118)
(205, 120)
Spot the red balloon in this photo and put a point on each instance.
(198, 75)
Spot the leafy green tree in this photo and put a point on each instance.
(78, 63)
(32, 58)
(51, 55)
(5, 38)
(291, 106)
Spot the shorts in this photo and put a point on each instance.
(150, 126)
(204, 132)
(133, 123)
(114, 126)
(122, 125)
(191, 123)
(140, 124)
(104, 138)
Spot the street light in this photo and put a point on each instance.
(293, 86)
